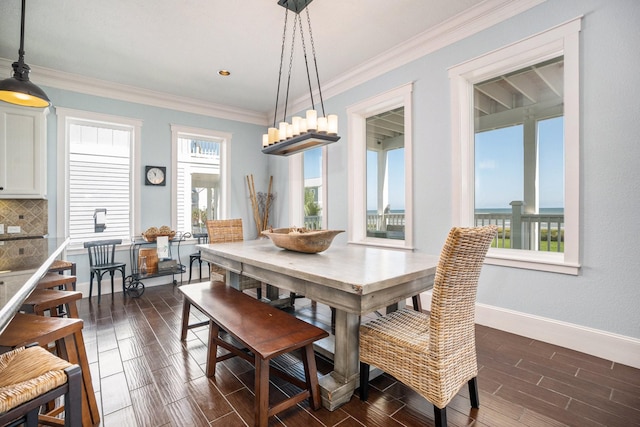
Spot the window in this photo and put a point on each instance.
(380, 174)
(516, 149)
(97, 160)
(385, 175)
(308, 189)
(313, 189)
(199, 182)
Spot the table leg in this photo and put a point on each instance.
(337, 387)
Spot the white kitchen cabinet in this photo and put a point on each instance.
(23, 152)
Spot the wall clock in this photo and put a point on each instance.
(155, 175)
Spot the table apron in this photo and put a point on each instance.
(338, 298)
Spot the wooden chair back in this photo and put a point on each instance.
(102, 252)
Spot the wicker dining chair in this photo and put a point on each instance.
(228, 231)
(434, 354)
(220, 231)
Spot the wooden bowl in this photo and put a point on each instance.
(309, 242)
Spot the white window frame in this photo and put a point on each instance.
(562, 40)
(296, 189)
(357, 115)
(224, 138)
(65, 117)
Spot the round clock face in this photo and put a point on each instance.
(155, 176)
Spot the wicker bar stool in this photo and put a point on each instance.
(31, 377)
(25, 329)
(434, 354)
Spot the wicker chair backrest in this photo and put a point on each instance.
(452, 320)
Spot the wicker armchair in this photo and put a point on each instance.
(434, 354)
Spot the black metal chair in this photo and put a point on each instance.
(102, 260)
(196, 256)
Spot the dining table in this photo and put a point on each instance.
(353, 279)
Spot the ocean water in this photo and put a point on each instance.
(508, 210)
(488, 210)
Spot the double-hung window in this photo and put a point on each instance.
(515, 129)
(199, 184)
(97, 160)
(380, 170)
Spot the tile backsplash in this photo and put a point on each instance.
(30, 214)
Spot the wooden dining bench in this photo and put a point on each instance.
(264, 332)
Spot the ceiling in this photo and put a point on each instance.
(176, 47)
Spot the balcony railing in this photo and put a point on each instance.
(520, 230)
(516, 229)
(313, 222)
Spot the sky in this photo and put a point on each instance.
(499, 168)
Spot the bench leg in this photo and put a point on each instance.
(262, 392)
(311, 376)
(212, 350)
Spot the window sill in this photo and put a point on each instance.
(383, 243)
(529, 260)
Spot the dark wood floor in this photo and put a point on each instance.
(144, 376)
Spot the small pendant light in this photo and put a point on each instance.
(18, 89)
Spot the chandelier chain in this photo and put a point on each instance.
(315, 63)
(306, 62)
(293, 42)
(284, 36)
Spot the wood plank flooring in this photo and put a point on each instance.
(144, 376)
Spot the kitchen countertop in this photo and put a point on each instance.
(22, 264)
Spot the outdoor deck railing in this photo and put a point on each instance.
(517, 229)
(520, 230)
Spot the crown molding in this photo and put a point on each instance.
(90, 86)
(461, 26)
(465, 24)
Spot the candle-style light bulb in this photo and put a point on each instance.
(282, 131)
(322, 125)
(312, 120)
(295, 122)
(332, 124)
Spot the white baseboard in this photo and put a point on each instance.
(117, 285)
(617, 348)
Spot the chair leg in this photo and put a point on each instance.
(440, 416)
(73, 397)
(473, 392)
(112, 273)
(99, 278)
(123, 272)
(90, 284)
(417, 304)
(364, 381)
(186, 309)
(190, 268)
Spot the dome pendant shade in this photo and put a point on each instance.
(18, 89)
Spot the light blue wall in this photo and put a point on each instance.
(606, 294)
(245, 158)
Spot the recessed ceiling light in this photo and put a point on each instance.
(224, 73)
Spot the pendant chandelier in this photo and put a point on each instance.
(18, 89)
(302, 133)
